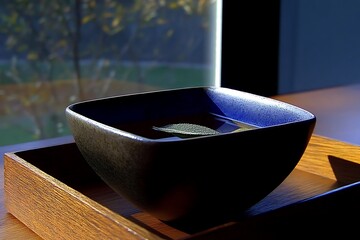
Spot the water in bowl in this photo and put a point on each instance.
(219, 123)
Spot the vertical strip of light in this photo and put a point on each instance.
(218, 37)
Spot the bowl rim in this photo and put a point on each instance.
(70, 112)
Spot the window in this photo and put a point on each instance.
(54, 53)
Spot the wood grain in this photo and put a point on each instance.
(89, 210)
(332, 159)
(52, 209)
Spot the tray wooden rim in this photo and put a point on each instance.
(319, 148)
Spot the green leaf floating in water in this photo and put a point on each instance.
(187, 130)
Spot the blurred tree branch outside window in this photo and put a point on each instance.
(54, 53)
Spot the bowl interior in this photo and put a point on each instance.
(222, 109)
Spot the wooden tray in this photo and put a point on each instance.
(53, 191)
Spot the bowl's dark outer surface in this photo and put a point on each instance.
(210, 178)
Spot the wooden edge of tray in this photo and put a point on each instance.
(51, 208)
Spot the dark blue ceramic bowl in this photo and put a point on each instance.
(197, 178)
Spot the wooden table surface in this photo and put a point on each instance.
(338, 117)
(337, 110)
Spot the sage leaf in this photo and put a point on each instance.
(186, 130)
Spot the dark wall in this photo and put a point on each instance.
(320, 44)
(250, 37)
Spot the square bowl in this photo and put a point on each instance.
(257, 143)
